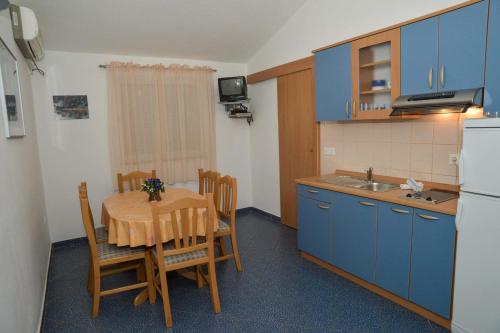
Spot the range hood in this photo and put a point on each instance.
(442, 102)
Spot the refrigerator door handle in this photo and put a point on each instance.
(461, 168)
(458, 218)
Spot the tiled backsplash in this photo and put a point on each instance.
(419, 148)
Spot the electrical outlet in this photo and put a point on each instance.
(330, 151)
(453, 159)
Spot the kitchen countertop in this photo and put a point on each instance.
(395, 196)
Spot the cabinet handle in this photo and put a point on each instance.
(347, 109)
(323, 207)
(428, 217)
(312, 191)
(400, 211)
(365, 203)
(430, 78)
(442, 76)
(353, 109)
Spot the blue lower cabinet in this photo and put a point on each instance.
(392, 269)
(353, 235)
(314, 227)
(432, 261)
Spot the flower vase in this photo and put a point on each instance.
(154, 196)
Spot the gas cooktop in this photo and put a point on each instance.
(432, 196)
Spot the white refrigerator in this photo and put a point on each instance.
(476, 303)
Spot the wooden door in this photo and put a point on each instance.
(298, 138)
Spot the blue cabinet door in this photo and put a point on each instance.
(333, 83)
(419, 57)
(492, 85)
(462, 47)
(354, 231)
(314, 227)
(392, 268)
(432, 261)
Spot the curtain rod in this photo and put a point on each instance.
(106, 66)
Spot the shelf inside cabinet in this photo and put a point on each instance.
(376, 63)
(378, 91)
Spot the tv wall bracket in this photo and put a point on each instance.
(238, 109)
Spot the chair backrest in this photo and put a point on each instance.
(183, 217)
(227, 193)
(134, 180)
(88, 222)
(207, 181)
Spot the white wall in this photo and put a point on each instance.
(264, 147)
(24, 236)
(76, 150)
(323, 22)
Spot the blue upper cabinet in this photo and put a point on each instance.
(353, 234)
(492, 94)
(392, 269)
(432, 261)
(462, 47)
(314, 219)
(445, 52)
(333, 74)
(419, 57)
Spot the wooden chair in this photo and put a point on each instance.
(207, 181)
(134, 179)
(107, 259)
(101, 234)
(188, 251)
(226, 210)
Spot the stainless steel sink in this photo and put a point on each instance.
(344, 181)
(378, 187)
(359, 183)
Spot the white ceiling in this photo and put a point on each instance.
(222, 30)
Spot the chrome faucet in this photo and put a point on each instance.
(369, 174)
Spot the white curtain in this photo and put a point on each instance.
(161, 118)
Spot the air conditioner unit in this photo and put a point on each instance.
(26, 32)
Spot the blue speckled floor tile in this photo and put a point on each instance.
(278, 291)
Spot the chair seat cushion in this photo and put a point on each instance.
(101, 234)
(178, 258)
(223, 227)
(107, 251)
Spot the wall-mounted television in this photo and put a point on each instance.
(232, 89)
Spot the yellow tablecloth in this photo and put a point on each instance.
(128, 218)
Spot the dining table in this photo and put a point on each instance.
(128, 219)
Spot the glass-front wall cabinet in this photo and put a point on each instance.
(375, 71)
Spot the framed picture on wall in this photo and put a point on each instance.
(10, 93)
(70, 107)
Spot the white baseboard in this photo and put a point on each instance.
(44, 292)
(456, 328)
